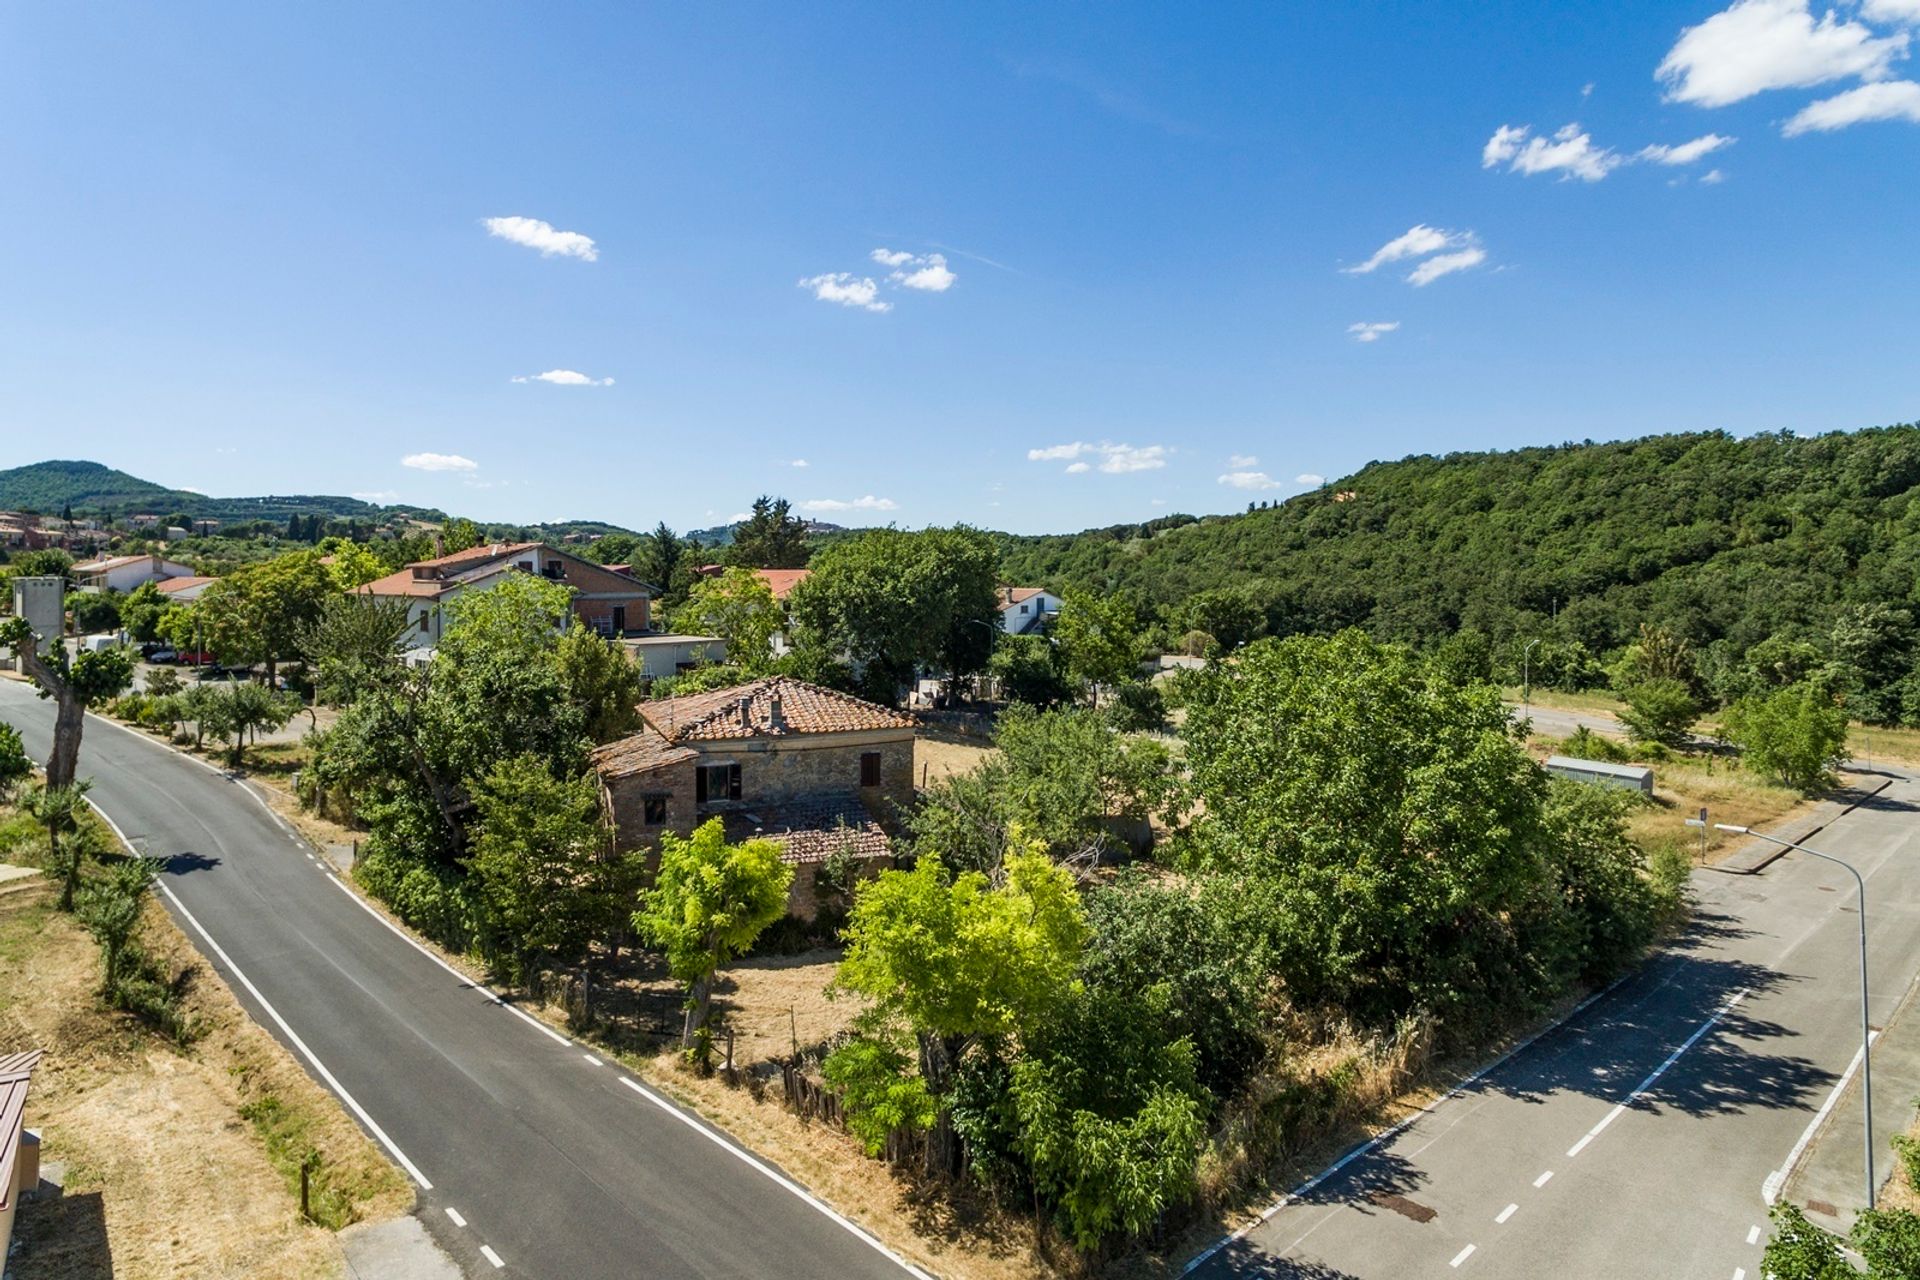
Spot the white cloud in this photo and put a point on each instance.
(1242, 461)
(1685, 152)
(1446, 264)
(1887, 100)
(1713, 177)
(1755, 45)
(891, 258)
(1907, 11)
(799, 462)
(1370, 331)
(439, 462)
(1571, 153)
(1249, 480)
(1417, 241)
(1307, 477)
(535, 234)
(868, 503)
(847, 289)
(930, 275)
(566, 378)
(377, 495)
(1114, 459)
(740, 517)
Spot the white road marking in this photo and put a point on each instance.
(1739, 1273)
(454, 1213)
(746, 1157)
(1770, 1189)
(1753, 1235)
(491, 1256)
(1461, 1256)
(1657, 1072)
(1506, 1213)
(1541, 1181)
(481, 987)
(1389, 1134)
(590, 1058)
(353, 1103)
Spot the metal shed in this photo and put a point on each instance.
(1636, 777)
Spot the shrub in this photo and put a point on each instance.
(1659, 710)
(1795, 735)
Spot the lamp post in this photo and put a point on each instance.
(1866, 1026)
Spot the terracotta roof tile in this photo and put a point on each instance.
(804, 708)
(782, 581)
(813, 830)
(637, 753)
(167, 586)
(16, 1072)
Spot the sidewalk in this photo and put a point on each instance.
(1752, 855)
(1829, 1180)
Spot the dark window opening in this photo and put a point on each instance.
(620, 619)
(869, 768)
(654, 809)
(423, 619)
(712, 782)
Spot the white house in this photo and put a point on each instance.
(611, 603)
(1023, 609)
(124, 573)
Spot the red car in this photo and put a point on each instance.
(190, 658)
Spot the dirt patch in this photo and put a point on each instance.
(164, 1175)
(942, 757)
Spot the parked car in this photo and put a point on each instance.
(161, 653)
(194, 658)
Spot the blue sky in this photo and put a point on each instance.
(247, 248)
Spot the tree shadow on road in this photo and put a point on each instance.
(1244, 1258)
(181, 864)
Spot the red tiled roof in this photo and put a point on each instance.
(168, 586)
(1015, 595)
(16, 1071)
(403, 583)
(642, 752)
(804, 708)
(782, 581)
(812, 830)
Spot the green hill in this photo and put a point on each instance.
(46, 487)
(1722, 539)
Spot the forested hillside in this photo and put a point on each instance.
(1713, 537)
(93, 489)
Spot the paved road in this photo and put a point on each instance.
(1635, 1140)
(557, 1164)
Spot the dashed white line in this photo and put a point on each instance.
(741, 1154)
(491, 1256)
(590, 1058)
(1506, 1213)
(1753, 1235)
(1541, 1181)
(1461, 1256)
(1739, 1273)
(1656, 1073)
(454, 1213)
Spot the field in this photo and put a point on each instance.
(174, 1160)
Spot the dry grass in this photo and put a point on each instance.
(163, 1175)
(940, 757)
(1595, 702)
(1902, 1190)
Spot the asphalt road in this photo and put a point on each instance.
(527, 1149)
(1636, 1138)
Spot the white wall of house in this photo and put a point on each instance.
(127, 577)
(1016, 619)
(660, 656)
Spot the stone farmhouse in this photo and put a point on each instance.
(814, 770)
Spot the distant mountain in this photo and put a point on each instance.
(721, 535)
(90, 487)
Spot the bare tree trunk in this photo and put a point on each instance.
(70, 716)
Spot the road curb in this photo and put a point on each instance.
(1777, 852)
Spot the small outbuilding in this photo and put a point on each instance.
(1632, 777)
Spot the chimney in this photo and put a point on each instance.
(746, 712)
(775, 716)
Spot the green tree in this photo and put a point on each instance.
(771, 537)
(357, 641)
(15, 766)
(1659, 710)
(260, 612)
(601, 680)
(110, 909)
(250, 708)
(1384, 819)
(1230, 615)
(663, 559)
(94, 611)
(544, 865)
(59, 809)
(350, 564)
(1029, 670)
(739, 607)
(459, 535)
(709, 901)
(894, 601)
(1796, 735)
(74, 684)
(140, 612)
(43, 564)
(962, 959)
(1872, 648)
(1100, 640)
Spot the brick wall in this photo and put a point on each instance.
(803, 899)
(775, 770)
(625, 799)
(599, 613)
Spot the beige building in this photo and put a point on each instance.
(815, 770)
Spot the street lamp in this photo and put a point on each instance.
(1866, 1026)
